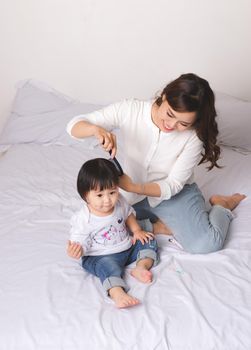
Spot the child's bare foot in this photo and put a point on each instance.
(142, 274)
(229, 202)
(160, 228)
(121, 298)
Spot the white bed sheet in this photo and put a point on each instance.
(48, 302)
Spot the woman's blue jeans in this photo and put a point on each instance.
(110, 268)
(196, 229)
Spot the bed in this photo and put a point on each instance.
(195, 302)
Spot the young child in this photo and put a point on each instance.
(100, 233)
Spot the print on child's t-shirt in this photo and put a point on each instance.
(110, 235)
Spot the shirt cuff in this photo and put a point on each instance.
(165, 190)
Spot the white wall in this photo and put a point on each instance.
(105, 50)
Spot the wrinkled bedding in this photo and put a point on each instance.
(49, 303)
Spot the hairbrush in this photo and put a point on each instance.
(117, 165)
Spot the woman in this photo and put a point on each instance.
(163, 141)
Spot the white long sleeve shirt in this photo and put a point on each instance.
(149, 155)
(102, 235)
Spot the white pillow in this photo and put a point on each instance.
(35, 97)
(40, 115)
(234, 122)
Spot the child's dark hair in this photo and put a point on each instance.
(96, 173)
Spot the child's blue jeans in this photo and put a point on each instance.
(110, 268)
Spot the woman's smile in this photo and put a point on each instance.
(167, 128)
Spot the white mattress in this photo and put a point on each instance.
(48, 302)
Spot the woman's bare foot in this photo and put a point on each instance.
(142, 274)
(121, 298)
(229, 202)
(160, 228)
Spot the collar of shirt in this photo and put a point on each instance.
(148, 114)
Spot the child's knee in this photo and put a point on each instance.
(152, 244)
(149, 250)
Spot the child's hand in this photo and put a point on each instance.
(74, 250)
(143, 236)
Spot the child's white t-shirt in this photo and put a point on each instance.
(102, 235)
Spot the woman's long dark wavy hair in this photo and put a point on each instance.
(190, 93)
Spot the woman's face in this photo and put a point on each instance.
(168, 120)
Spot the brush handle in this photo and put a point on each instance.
(117, 165)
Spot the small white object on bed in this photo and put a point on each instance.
(197, 302)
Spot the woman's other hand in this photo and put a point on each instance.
(125, 182)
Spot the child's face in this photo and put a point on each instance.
(101, 203)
